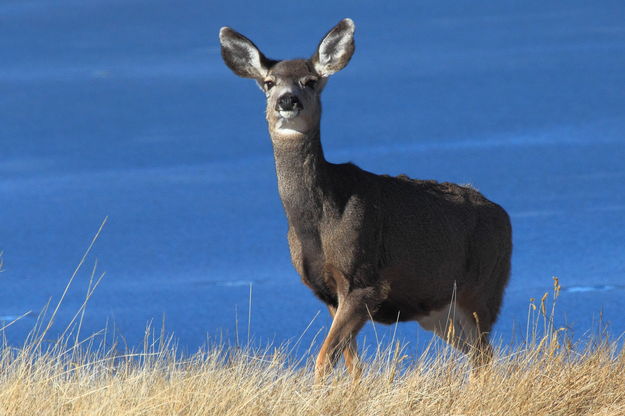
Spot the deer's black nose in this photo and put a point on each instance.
(288, 102)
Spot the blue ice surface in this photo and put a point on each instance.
(124, 109)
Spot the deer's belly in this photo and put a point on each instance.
(390, 312)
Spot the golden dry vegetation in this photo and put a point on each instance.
(545, 375)
(546, 379)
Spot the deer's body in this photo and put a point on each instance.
(390, 248)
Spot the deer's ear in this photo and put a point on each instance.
(335, 49)
(242, 56)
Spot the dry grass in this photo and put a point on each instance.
(547, 376)
(75, 376)
(545, 379)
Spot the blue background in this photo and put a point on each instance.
(125, 109)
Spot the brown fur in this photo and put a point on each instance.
(390, 248)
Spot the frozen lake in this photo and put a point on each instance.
(124, 109)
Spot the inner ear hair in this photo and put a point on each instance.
(242, 56)
(335, 49)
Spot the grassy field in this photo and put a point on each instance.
(547, 375)
(547, 378)
(73, 375)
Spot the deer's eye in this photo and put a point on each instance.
(311, 83)
(269, 84)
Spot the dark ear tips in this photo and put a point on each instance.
(228, 36)
(223, 33)
(348, 24)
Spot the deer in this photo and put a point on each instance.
(374, 247)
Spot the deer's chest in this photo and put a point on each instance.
(309, 260)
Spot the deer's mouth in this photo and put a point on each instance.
(289, 114)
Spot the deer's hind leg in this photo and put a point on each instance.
(461, 328)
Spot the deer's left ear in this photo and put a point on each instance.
(335, 49)
(242, 56)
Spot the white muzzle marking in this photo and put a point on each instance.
(288, 115)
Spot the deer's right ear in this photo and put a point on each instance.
(335, 49)
(241, 55)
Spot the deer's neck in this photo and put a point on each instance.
(301, 169)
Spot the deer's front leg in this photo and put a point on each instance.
(350, 352)
(350, 316)
(354, 308)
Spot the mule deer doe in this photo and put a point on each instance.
(374, 246)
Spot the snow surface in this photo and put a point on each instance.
(125, 109)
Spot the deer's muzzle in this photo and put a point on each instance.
(288, 103)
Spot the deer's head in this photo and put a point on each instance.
(292, 87)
